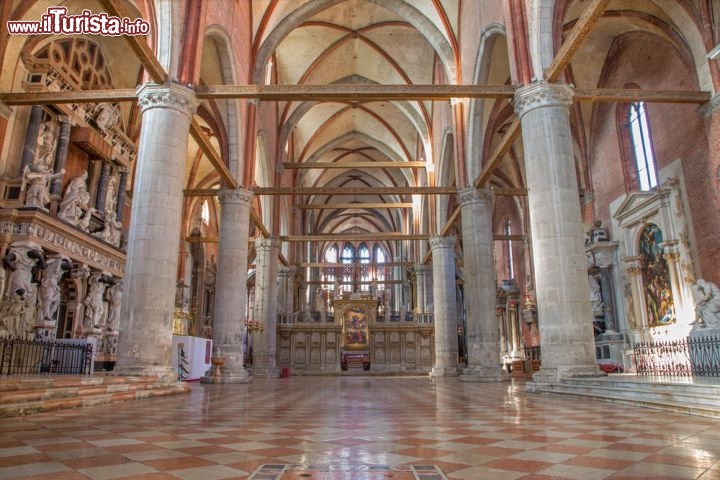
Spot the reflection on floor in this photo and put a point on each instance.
(468, 430)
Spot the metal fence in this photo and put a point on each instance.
(696, 355)
(33, 357)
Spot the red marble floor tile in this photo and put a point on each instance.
(571, 449)
(13, 460)
(689, 461)
(491, 451)
(205, 450)
(598, 462)
(89, 462)
(59, 476)
(61, 447)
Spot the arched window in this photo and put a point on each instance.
(364, 258)
(348, 258)
(205, 212)
(642, 146)
(330, 257)
(380, 269)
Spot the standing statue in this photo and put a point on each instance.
(21, 260)
(45, 149)
(114, 302)
(12, 315)
(37, 183)
(94, 307)
(49, 293)
(76, 200)
(84, 223)
(707, 304)
(111, 196)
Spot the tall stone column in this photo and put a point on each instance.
(445, 308)
(122, 186)
(479, 265)
(563, 294)
(285, 293)
(145, 342)
(264, 343)
(31, 134)
(229, 328)
(420, 271)
(61, 154)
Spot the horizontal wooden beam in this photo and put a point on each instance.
(513, 238)
(355, 190)
(510, 192)
(351, 237)
(202, 192)
(353, 165)
(356, 93)
(331, 206)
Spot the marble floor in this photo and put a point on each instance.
(360, 428)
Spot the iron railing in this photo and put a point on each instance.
(696, 355)
(33, 357)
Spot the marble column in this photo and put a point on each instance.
(145, 342)
(445, 308)
(102, 186)
(229, 328)
(479, 265)
(563, 294)
(122, 186)
(61, 153)
(31, 134)
(420, 272)
(286, 290)
(266, 295)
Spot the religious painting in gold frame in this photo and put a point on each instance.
(355, 328)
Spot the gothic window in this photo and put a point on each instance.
(205, 213)
(364, 258)
(348, 258)
(642, 146)
(656, 277)
(330, 257)
(379, 268)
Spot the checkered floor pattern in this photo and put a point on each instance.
(471, 431)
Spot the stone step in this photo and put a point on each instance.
(26, 395)
(677, 397)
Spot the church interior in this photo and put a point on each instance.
(445, 198)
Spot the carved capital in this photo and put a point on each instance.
(172, 96)
(267, 244)
(671, 250)
(471, 196)
(633, 265)
(436, 242)
(542, 94)
(238, 196)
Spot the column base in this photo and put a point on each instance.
(484, 374)
(266, 372)
(226, 376)
(445, 372)
(557, 374)
(164, 374)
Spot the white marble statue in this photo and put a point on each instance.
(84, 223)
(114, 303)
(94, 306)
(49, 292)
(37, 185)
(707, 304)
(111, 232)
(20, 260)
(76, 200)
(12, 316)
(45, 148)
(110, 197)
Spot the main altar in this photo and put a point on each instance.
(354, 339)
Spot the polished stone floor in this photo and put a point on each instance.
(360, 428)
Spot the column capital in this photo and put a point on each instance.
(542, 94)
(239, 195)
(436, 242)
(472, 195)
(172, 96)
(287, 271)
(267, 243)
